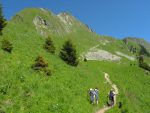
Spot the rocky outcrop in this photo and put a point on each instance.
(132, 58)
(67, 20)
(97, 54)
(40, 24)
(61, 24)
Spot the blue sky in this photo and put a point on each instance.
(117, 18)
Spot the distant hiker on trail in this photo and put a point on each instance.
(96, 91)
(111, 97)
(92, 96)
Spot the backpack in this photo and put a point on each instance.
(111, 95)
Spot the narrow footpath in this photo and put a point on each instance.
(114, 87)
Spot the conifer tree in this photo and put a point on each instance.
(2, 20)
(41, 65)
(49, 45)
(68, 54)
(6, 46)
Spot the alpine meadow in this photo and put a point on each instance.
(49, 62)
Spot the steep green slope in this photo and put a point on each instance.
(133, 87)
(138, 41)
(28, 91)
(22, 90)
(138, 46)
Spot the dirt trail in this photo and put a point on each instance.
(104, 109)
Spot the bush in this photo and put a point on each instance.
(68, 54)
(6, 46)
(49, 45)
(2, 20)
(142, 64)
(85, 59)
(143, 51)
(141, 59)
(41, 65)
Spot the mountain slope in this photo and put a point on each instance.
(23, 90)
(138, 41)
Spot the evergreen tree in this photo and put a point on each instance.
(7, 46)
(41, 65)
(142, 64)
(49, 45)
(141, 59)
(143, 51)
(68, 54)
(2, 20)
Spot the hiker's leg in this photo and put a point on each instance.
(113, 100)
(96, 99)
(92, 100)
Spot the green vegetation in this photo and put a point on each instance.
(68, 54)
(24, 89)
(129, 79)
(2, 20)
(49, 46)
(142, 47)
(143, 51)
(142, 64)
(41, 65)
(7, 46)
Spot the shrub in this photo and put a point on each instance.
(49, 45)
(142, 64)
(85, 59)
(40, 64)
(132, 49)
(143, 51)
(68, 54)
(7, 46)
(2, 20)
(141, 59)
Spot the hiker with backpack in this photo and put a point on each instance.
(96, 95)
(92, 96)
(111, 97)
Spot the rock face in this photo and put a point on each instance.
(100, 55)
(57, 24)
(48, 23)
(41, 25)
(67, 20)
(126, 56)
(60, 24)
(138, 41)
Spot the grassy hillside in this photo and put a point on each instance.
(133, 86)
(22, 90)
(139, 41)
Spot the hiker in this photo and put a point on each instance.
(111, 97)
(96, 95)
(92, 96)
